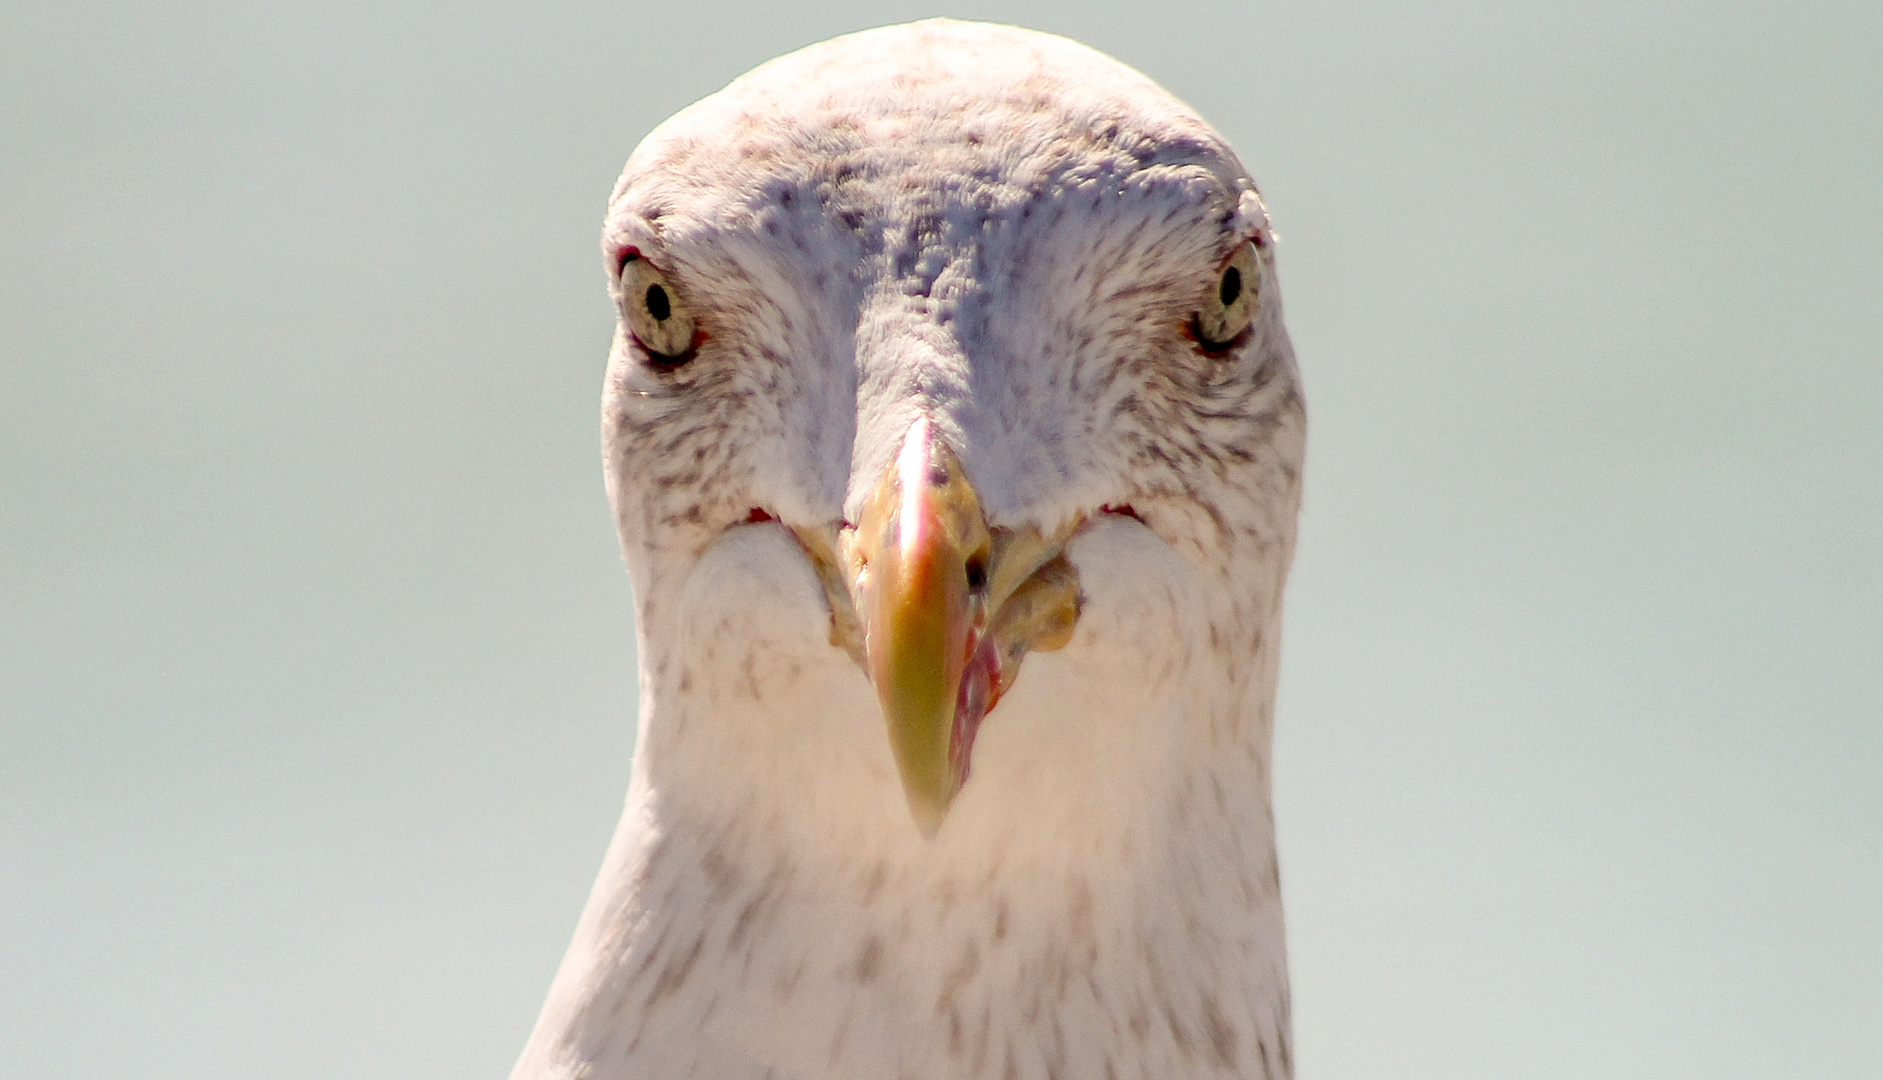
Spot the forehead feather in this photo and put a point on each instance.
(928, 107)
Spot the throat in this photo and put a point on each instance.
(1149, 941)
(1102, 891)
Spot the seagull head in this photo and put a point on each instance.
(931, 360)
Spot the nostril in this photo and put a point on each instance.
(977, 571)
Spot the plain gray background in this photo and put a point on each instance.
(316, 670)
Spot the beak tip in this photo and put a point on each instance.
(927, 816)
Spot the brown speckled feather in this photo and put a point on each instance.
(1008, 235)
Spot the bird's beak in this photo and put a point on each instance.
(946, 608)
(913, 555)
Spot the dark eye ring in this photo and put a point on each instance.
(1228, 310)
(655, 314)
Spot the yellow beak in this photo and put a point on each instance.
(946, 608)
(918, 562)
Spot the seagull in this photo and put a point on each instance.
(954, 441)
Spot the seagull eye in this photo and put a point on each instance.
(655, 314)
(1229, 308)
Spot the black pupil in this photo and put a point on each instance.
(1232, 286)
(659, 307)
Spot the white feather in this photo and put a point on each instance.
(1000, 231)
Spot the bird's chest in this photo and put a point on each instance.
(875, 967)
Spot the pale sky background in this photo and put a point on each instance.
(316, 670)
